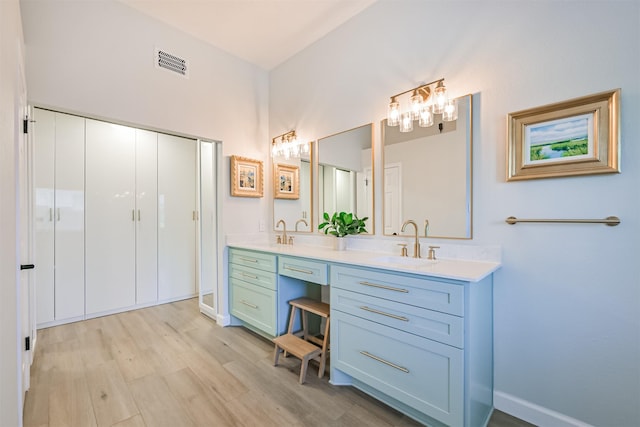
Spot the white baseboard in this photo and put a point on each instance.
(223, 320)
(532, 413)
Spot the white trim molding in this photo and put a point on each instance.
(532, 413)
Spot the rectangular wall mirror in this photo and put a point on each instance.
(292, 186)
(345, 171)
(427, 176)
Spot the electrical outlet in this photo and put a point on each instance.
(261, 225)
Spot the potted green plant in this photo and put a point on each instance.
(342, 224)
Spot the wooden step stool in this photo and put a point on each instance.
(301, 344)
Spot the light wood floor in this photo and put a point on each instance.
(171, 366)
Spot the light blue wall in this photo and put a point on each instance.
(567, 299)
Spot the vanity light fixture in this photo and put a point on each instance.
(288, 145)
(423, 104)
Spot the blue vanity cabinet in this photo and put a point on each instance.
(261, 285)
(253, 289)
(420, 344)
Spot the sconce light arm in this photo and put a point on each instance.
(417, 88)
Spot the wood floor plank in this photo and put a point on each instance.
(69, 401)
(135, 421)
(204, 406)
(255, 408)
(95, 348)
(213, 375)
(112, 401)
(281, 386)
(158, 406)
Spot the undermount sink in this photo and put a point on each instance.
(403, 260)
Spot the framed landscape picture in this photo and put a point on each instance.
(576, 137)
(246, 177)
(286, 179)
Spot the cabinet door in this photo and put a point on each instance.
(69, 217)
(176, 217)
(110, 216)
(146, 216)
(44, 209)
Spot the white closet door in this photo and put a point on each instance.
(110, 217)
(69, 217)
(44, 209)
(146, 216)
(176, 224)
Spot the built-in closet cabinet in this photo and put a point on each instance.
(122, 212)
(59, 216)
(177, 217)
(146, 216)
(116, 217)
(111, 216)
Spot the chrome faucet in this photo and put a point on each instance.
(416, 245)
(282, 239)
(299, 221)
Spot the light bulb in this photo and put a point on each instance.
(450, 112)
(416, 103)
(406, 122)
(440, 94)
(393, 113)
(426, 117)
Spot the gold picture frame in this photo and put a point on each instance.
(575, 137)
(286, 180)
(246, 177)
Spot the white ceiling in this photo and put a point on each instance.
(263, 32)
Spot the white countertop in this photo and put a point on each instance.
(457, 269)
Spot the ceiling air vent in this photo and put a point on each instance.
(172, 62)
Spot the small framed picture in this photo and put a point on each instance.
(575, 137)
(246, 177)
(286, 179)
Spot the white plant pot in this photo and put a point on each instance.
(340, 244)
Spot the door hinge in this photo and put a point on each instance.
(25, 125)
(27, 343)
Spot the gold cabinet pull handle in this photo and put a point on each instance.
(248, 259)
(50, 214)
(393, 316)
(133, 214)
(138, 215)
(386, 362)
(248, 304)
(389, 288)
(299, 270)
(249, 275)
(58, 211)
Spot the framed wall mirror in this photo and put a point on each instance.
(345, 174)
(292, 186)
(427, 176)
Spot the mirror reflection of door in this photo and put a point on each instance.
(345, 171)
(434, 181)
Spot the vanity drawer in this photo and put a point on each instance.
(304, 269)
(254, 305)
(259, 260)
(445, 328)
(423, 374)
(431, 294)
(253, 276)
